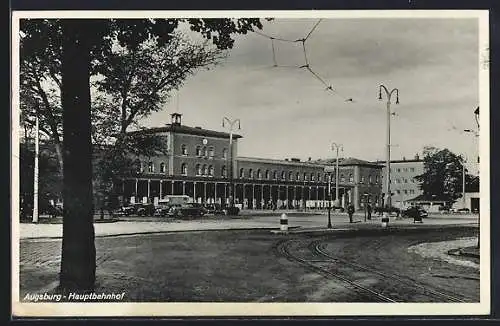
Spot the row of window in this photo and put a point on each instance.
(406, 191)
(203, 151)
(402, 169)
(404, 180)
(251, 174)
(151, 167)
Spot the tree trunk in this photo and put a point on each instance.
(57, 146)
(78, 263)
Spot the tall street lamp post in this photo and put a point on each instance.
(388, 142)
(231, 125)
(336, 147)
(329, 170)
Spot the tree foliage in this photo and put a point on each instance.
(84, 44)
(443, 174)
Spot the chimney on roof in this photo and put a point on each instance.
(286, 159)
(175, 119)
(417, 157)
(404, 158)
(309, 159)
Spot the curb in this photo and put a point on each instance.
(157, 232)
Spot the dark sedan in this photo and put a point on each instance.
(415, 212)
(188, 209)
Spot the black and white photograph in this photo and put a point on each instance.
(232, 163)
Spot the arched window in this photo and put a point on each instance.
(259, 174)
(298, 176)
(162, 167)
(224, 172)
(342, 178)
(319, 176)
(184, 169)
(184, 150)
(250, 173)
(267, 174)
(211, 171)
(351, 179)
(376, 179)
(370, 179)
(151, 167)
(198, 169)
(362, 179)
(205, 169)
(224, 153)
(205, 151)
(283, 175)
(242, 173)
(305, 176)
(290, 175)
(312, 177)
(198, 150)
(275, 175)
(211, 152)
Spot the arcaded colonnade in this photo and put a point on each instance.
(250, 195)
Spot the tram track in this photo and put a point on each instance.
(283, 250)
(319, 248)
(382, 286)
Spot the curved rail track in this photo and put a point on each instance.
(387, 288)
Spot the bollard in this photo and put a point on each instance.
(385, 220)
(284, 223)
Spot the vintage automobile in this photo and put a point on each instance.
(415, 212)
(146, 210)
(215, 209)
(130, 209)
(162, 210)
(187, 209)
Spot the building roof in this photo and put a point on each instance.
(348, 162)
(424, 197)
(185, 130)
(401, 161)
(276, 161)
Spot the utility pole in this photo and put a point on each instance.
(35, 181)
(232, 126)
(388, 141)
(337, 147)
(328, 170)
(463, 183)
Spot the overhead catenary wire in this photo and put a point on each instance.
(306, 64)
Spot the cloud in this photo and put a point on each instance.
(287, 112)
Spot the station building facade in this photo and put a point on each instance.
(197, 162)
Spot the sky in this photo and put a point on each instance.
(287, 112)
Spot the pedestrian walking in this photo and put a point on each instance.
(350, 211)
(369, 211)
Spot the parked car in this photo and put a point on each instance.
(187, 209)
(162, 210)
(146, 210)
(215, 209)
(128, 210)
(414, 212)
(231, 210)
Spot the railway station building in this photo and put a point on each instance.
(197, 163)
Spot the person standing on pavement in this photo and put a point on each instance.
(369, 211)
(350, 211)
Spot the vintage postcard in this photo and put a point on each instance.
(286, 163)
